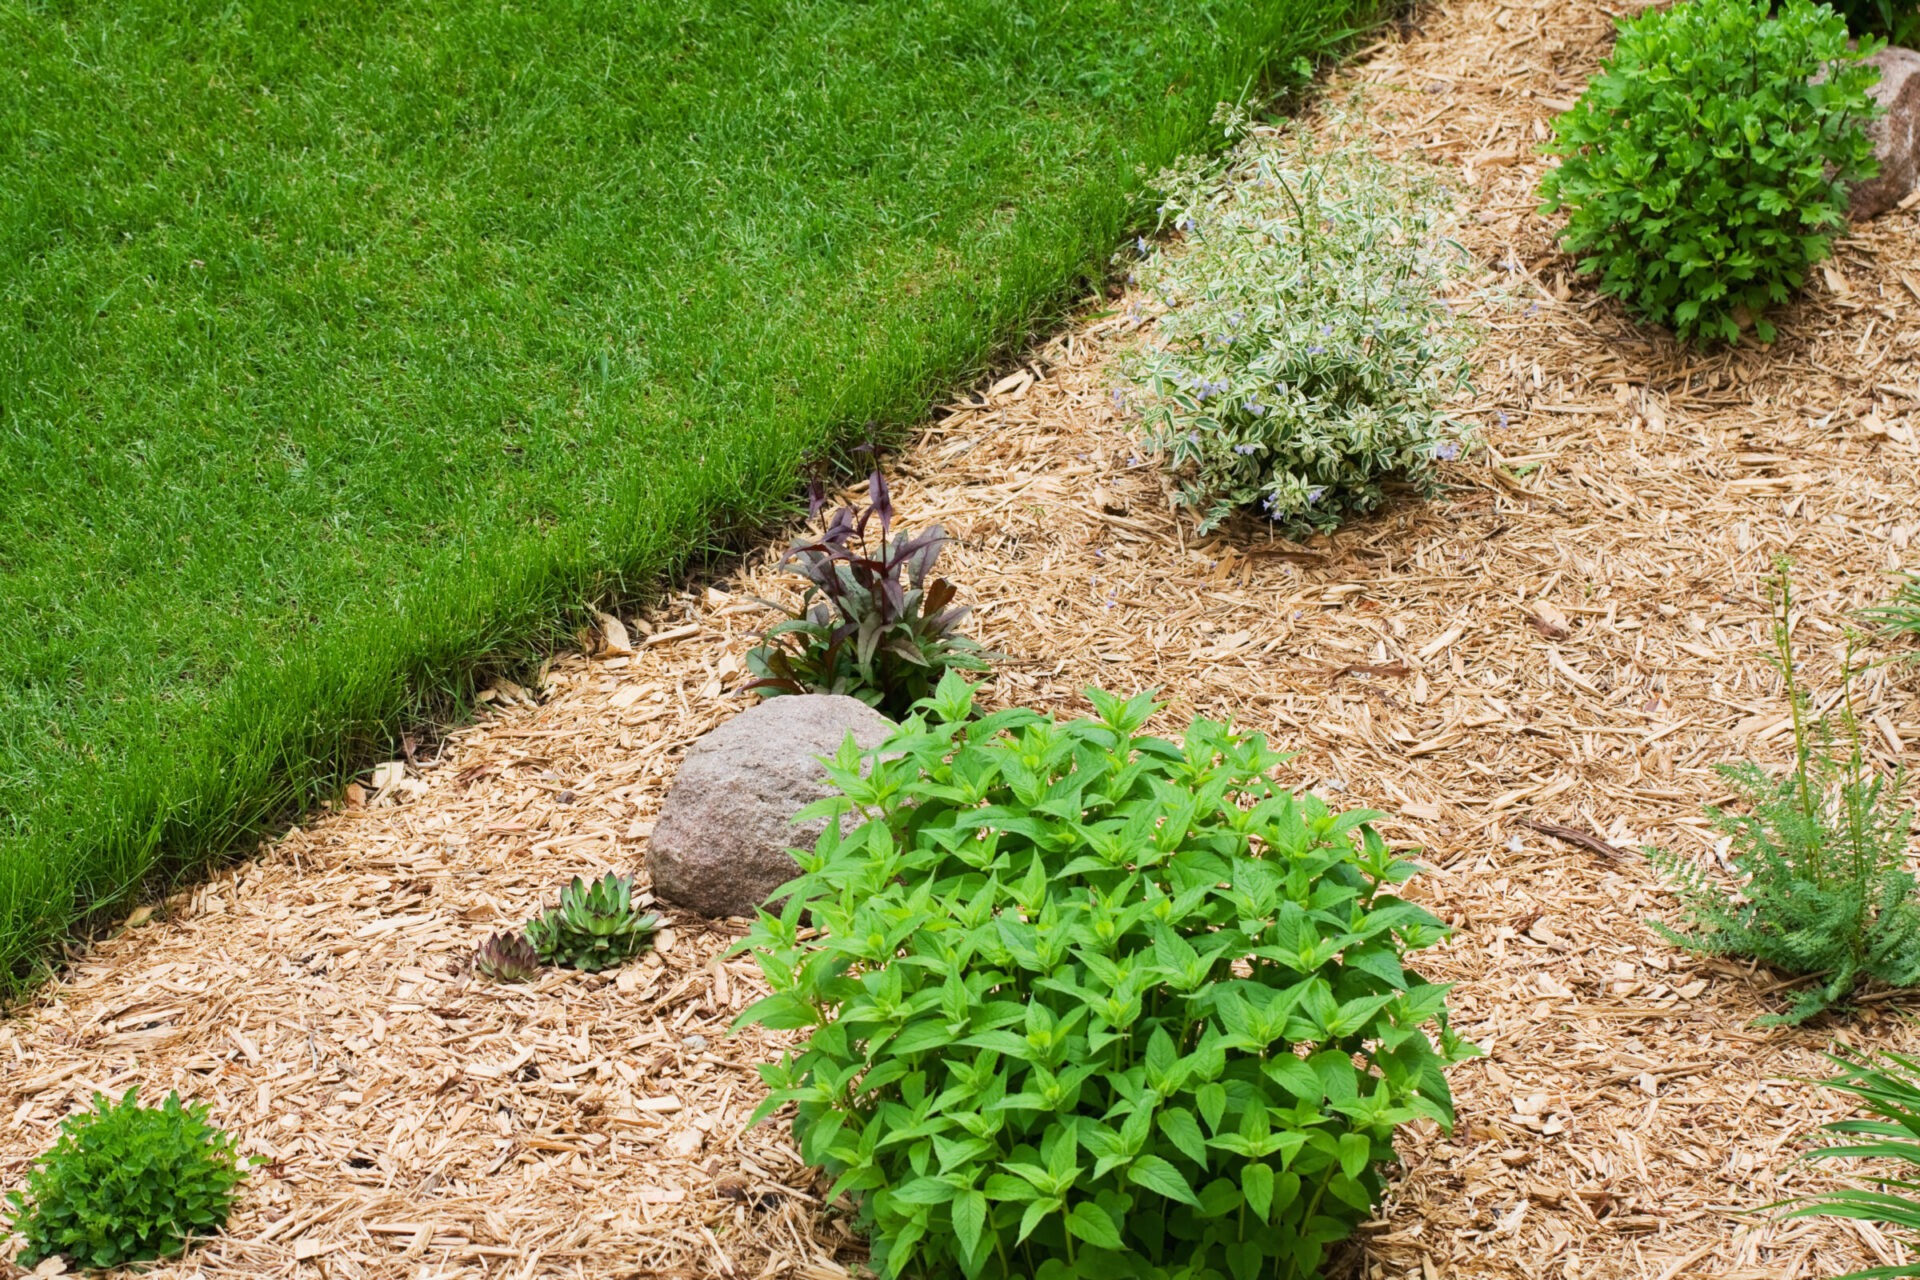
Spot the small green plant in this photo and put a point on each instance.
(594, 927)
(1706, 167)
(1083, 1002)
(1899, 615)
(1890, 1086)
(506, 957)
(872, 624)
(1821, 856)
(1306, 349)
(126, 1183)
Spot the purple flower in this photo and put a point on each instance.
(1502, 415)
(1254, 407)
(1246, 450)
(1140, 243)
(1446, 451)
(1185, 224)
(1314, 494)
(1316, 351)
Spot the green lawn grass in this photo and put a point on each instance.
(345, 346)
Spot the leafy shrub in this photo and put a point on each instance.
(1083, 1002)
(871, 625)
(594, 927)
(506, 957)
(1890, 1086)
(1822, 859)
(1305, 350)
(1706, 167)
(127, 1183)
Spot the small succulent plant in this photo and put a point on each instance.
(506, 957)
(594, 927)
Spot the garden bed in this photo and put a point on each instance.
(1533, 676)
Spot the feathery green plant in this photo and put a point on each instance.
(1822, 857)
(1890, 1086)
(1083, 1002)
(594, 927)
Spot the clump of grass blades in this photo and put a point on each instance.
(1821, 854)
(1889, 1085)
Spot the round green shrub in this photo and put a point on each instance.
(1082, 1002)
(1707, 165)
(127, 1183)
(1306, 351)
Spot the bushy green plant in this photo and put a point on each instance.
(127, 1183)
(1707, 165)
(594, 927)
(872, 625)
(1306, 349)
(1821, 855)
(1890, 1086)
(506, 957)
(1083, 1002)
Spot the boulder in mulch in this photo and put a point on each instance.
(720, 844)
(1896, 135)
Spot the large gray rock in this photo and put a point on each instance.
(720, 844)
(1896, 135)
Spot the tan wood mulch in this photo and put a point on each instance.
(1533, 676)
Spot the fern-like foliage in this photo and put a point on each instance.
(1821, 860)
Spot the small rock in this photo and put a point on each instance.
(720, 844)
(1896, 135)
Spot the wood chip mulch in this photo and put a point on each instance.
(1533, 675)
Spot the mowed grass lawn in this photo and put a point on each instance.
(346, 345)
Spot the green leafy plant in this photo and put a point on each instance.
(1085, 1002)
(1899, 615)
(1305, 349)
(1707, 165)
(126, 1183)
(594, 927)
(1820, 854)
(1889, 1084)
(506, 957)
(872, 624)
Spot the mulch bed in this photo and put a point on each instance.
(1532, 676)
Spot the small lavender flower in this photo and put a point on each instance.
(1140, 243)
(1502, 415)
(1246, 450)
(1314, 495)
(1185, 224)
(1254, 407)
(1446, 451)
(1316, 350)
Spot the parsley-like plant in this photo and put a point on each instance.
(126, 1183)
(1706, 167)
(873, 624)
(1821, 855)
(1085, 1002)
(1305, 349)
